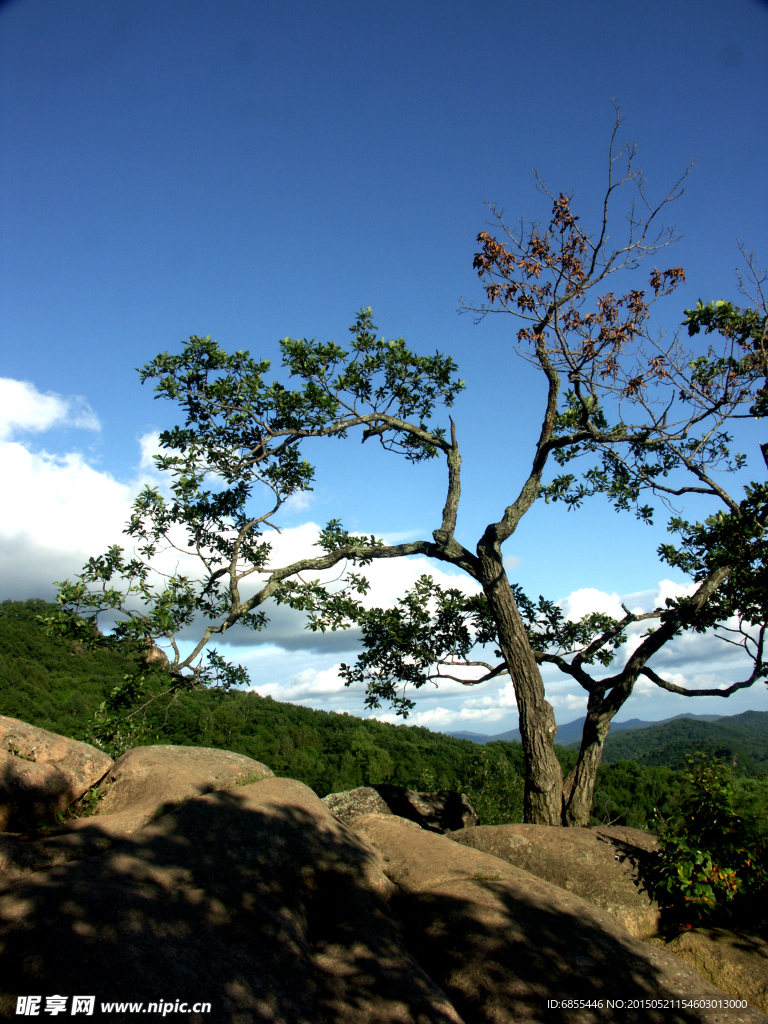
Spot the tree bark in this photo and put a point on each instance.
(579, 786)
(543, 799)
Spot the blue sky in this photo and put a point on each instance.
(256, 171)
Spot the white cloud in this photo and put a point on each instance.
(24, 408)
(57, 509)
(440, 719)
(569, 702)
(298, 502)
(496, 696)
(389, 577)
(692, 660)
(149, 445)
(306, 684)
(645, 688)
(59, 502)
(647, 600)
(588, 600)
(402, 536)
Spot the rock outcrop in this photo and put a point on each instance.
(442, 811)
(42, 773)
(156, 656)
(501, 942)
(254, 899)
(604, 865)
(148, 781)
(736, 963)
(143, 784)
(203, 878)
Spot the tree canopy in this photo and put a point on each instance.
(59, 685)
(648, 418)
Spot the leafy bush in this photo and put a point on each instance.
(711, 860)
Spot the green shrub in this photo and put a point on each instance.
(711, 861)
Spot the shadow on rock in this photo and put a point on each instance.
(253, 899)
(601, 865)
(41, 773)
(503, 943)
(500, 959)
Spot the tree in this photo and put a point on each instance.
(244, 433)
(433, 630)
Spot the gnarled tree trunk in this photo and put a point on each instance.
(543, 799)
(579, 785)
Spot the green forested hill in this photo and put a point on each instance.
(757, 721)
(49, 682)
(55, 685)
(740, 740)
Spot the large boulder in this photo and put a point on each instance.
(146, 782)
(442, 811)
(735, 962)
(254, 899)
(140, 786)
(503, 943)
(42, 773)
(604, 865)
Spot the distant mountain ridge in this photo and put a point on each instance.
(571, 731)
(741, 740)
